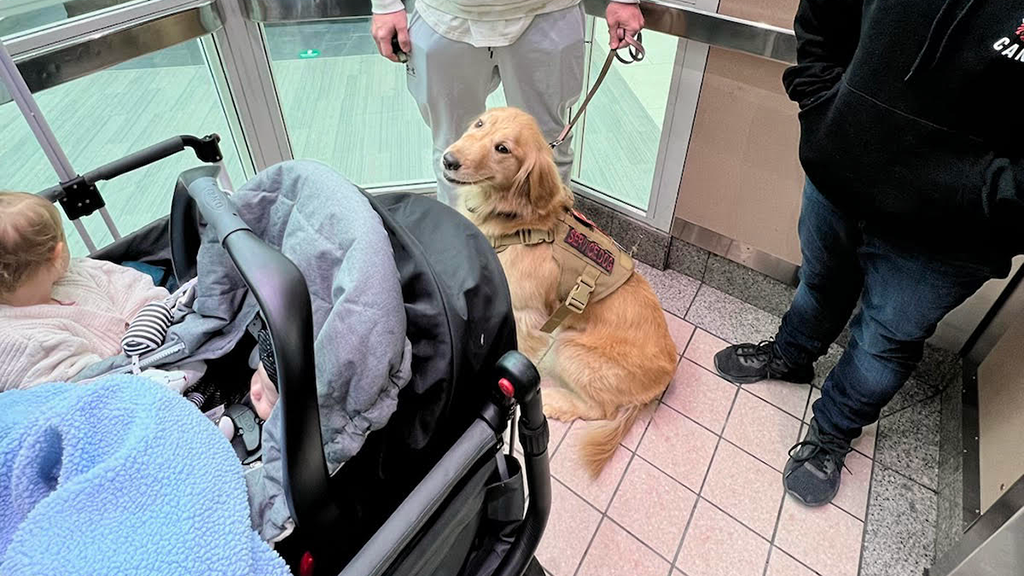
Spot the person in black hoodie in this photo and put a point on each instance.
(912, 133)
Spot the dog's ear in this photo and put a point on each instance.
(545, 182)
(538, 179)
(521, 181)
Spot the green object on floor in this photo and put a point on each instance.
(309, 54)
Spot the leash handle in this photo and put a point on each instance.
(635, 52)
(397, 49)
(634, 48)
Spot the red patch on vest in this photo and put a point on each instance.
(585, 221)
(592, 250)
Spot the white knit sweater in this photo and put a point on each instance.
(53, 342)
(481, 23)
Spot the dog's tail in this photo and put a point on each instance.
(603, 438)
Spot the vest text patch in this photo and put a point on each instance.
(592, 250)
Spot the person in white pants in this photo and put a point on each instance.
(460, 50)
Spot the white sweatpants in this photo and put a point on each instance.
(542, 73)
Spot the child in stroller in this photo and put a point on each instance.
(57, 314)
(432, 492)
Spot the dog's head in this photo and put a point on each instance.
(506, 166)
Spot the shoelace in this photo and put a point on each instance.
(763, 350)
(830, 448)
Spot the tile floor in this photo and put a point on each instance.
(696, 488)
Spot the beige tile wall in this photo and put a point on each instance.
(742, 177)
(775, 12)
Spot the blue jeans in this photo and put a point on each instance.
(903, 295)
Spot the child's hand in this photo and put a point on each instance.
(262, 393)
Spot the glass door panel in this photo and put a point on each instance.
(18, 16)
(623, 126)
(23, 165)
(109, 114)
(347, 106)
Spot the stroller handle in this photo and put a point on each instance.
(283, 298)
(517, 369)
(207, 149)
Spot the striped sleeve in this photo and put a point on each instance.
(146, 332)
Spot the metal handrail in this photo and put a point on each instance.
(290, 11)
(718, 30)
(667, 16)
(80, 56)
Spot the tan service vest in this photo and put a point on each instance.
(592, 265)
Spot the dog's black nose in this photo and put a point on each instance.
(450, 162)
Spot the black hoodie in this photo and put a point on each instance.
(912, 119)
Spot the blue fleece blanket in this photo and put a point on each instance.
(121, 476)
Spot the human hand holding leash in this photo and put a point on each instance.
(624, 20)
(385, 28)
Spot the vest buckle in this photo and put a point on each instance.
(530, 236)
(579, 296)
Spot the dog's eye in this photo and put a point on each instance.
(502, 149)
(479, 123)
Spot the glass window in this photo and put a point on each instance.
(24, 15)
(109, 114)
(23, 165)
(339, 97)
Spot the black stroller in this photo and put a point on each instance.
(432, 492)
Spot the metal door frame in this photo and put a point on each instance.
(243, 75)
(701, 28)
(992, 545)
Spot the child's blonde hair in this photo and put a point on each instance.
(30, 230)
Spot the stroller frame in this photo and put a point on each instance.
(284, 302)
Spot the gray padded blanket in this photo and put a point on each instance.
(327, 228)
(325, 225)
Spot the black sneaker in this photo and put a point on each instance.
(815, 467)
(749, 363)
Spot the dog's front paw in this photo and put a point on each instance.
(555, 412)
(559, 404)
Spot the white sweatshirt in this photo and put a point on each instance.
(481, 23)
(53, 342)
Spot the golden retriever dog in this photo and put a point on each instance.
(607, 363)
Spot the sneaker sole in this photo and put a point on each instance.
(809, 505)
(740, 380)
